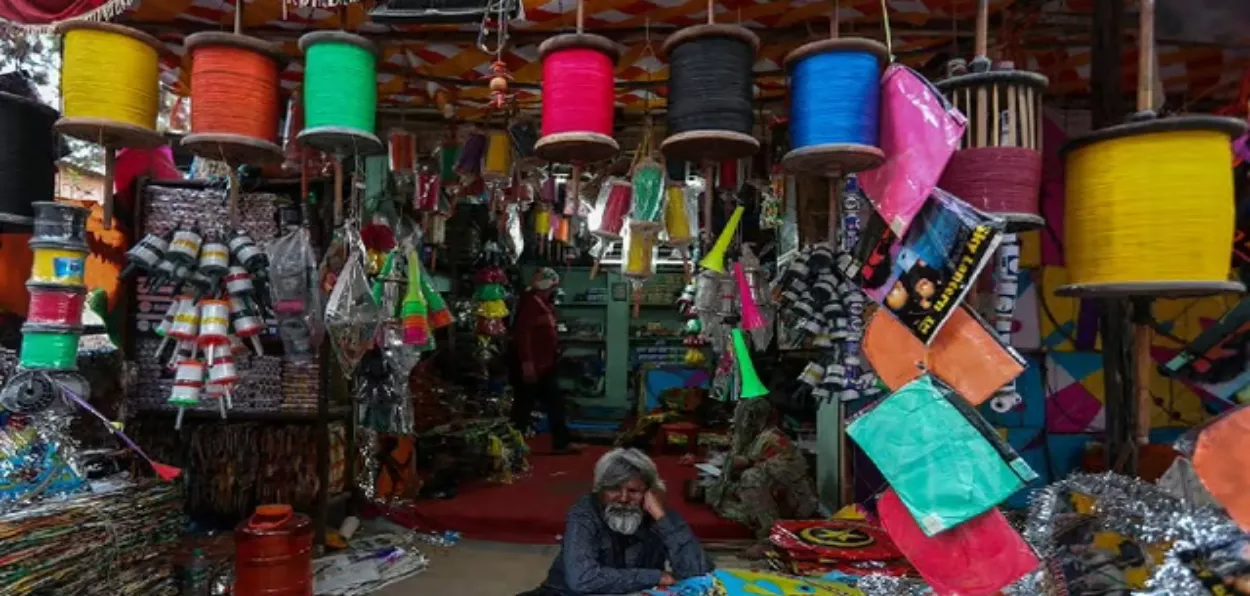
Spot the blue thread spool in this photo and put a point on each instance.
(835, 89)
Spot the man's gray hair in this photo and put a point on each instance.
(617, 466)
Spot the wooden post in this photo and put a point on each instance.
(983, 29)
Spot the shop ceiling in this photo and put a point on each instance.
(1203, 54)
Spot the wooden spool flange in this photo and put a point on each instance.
(709, 145)
(1230, 126)
(109, 133)
(233, 149)
(832, 160)
(586, 147)
(339, 140)
(983, 87)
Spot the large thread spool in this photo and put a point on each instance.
(110, 90)
(998, 168)
(55, 304)
(50, 347)
(58, 262)
(27, 157)
(340, 92)
(235, 98)
(1149, 210)
(711, 112)
(578, 98)
(835, 89)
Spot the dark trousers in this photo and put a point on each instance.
(545, 393)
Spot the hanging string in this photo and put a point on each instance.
(1131, 217)
(27, 155)
(577, 92)
(109, 76)
(235, 91)
(710, 86)
(835, 99)
(340, 88)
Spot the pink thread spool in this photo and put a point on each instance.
(222, 372)
(188, 381)
(751, 317)
(214, 327)
(616, 206)
(246, 324)
(56, 304)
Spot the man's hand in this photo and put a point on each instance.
(666, 580)
(528, 374)
(653, 504)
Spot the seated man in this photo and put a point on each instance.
(619, 537)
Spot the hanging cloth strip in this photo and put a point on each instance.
(44, 14)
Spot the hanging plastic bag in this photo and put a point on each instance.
(296, 295)
(920, 131)
(352, 315)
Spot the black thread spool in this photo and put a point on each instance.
(27, 159)
(711, 115)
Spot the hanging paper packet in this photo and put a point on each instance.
(943, 459)
(1220, 451)
(920, 130)
(965, 355)
(648, 197)
(923, 276)
(976, 558)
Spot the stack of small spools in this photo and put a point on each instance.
(110, 92)
(578, 104)
(1141, 227)
(27, 175)
(49, 355)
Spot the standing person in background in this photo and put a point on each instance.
(535, 350)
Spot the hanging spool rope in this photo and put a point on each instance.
(1148, 208)
(1002, 143)
(835, 87)
(110, 89)
(235, 98)
(28, 158)
(340, 93)
(711, 112)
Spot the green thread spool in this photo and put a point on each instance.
(490, 292)
(447, 156)
(49, 347)
(340, 92)
(648, 183)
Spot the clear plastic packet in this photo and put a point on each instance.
(640, 242)
(647, 183)
(352, 315)
(681, 217)
(297, 296)
(607, 218)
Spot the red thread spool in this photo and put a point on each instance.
(50, 303)
(728, 175)
(1003, 181)
(234, 97)
(403, 150)
(579, 98)
(273, 553)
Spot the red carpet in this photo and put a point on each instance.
(531, 510)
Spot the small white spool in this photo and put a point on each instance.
(151, 249)
(186, 325)
(239, 281)
(244, 248)
(223, 372)
(245, 323)
(185, 249)
(214, 259)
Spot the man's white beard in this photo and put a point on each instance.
(623, 519)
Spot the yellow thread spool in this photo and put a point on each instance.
(498, 156)
(57, 264)
(542, 222)
(110, 73)
(676, 218)
(1149, 208)
(638, 261)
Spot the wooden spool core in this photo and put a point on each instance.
(833, 160)
(709, 145)
(586, 147)
(984, 98)
(109, 133)
(234, 149)
(339, 140)
(1230, 126)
